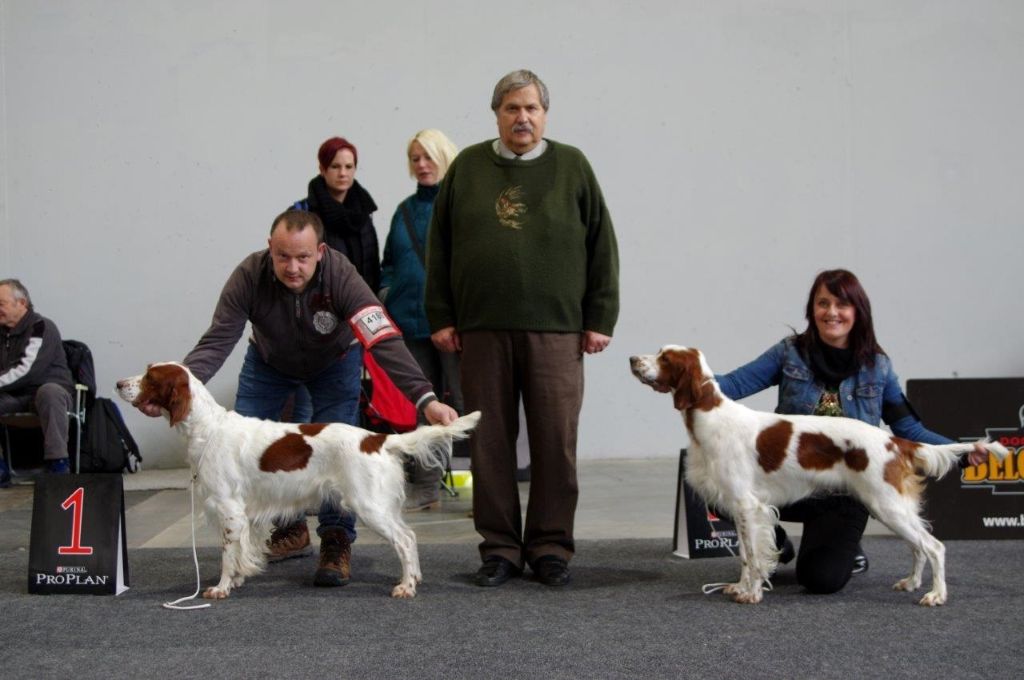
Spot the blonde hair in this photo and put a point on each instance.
(440, 149)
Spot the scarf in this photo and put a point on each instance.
(831, 365)
(343, 222)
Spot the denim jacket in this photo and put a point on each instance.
(872, 395)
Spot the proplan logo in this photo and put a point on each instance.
(1005, 477)
(721, 537)
(71, 576)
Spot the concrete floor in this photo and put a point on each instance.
(618, 499)
(633, 498)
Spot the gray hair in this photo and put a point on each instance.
(517, 80)
(18, 291)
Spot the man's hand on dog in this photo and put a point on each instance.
(438, 413)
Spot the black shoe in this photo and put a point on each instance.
(495, 571)
(785, 546)
(860, 561)
(5, 474)
(58, 466)
(551, 570)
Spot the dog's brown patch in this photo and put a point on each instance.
(899, 472)
(771, 445)
(691, 388)
(311, 429)
(856, 459)
(290, 452)
(372, 443)
(816, 451)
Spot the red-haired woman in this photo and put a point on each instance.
(345, 208)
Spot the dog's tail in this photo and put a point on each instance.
(431, 445)
(936, 460)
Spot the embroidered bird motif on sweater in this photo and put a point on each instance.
(509, 208)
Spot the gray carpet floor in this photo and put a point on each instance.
(632, 611)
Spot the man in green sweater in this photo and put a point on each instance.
(522, 279)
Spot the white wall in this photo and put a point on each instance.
(743, 146)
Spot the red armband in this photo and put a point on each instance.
(372, 324)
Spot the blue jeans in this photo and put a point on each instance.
(334, 392)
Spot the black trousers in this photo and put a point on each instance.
(833, 527)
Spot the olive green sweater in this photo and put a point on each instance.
(522, 245)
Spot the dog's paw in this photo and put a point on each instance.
(908, 584)
(933, 599)
(746, 597)
(404, 591)
(732, 589)
(215, 593)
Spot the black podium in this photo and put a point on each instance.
(987, 501)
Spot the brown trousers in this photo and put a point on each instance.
(545, 370)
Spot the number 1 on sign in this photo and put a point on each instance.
(76, 500)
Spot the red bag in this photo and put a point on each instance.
(387, 403)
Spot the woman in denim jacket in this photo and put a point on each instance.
(834, 368)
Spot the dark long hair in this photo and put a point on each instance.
(845, 286)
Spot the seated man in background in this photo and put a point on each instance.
(34, 374)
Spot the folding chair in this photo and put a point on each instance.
(30, 420)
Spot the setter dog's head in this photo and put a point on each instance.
(681, 371)
(163, 385)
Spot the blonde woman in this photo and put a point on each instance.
(429, 153)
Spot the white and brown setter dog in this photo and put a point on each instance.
(252, 471)
(744, 462)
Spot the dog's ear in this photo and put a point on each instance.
(682, 379)
(690, 386)
(682, 399)
(179, 402)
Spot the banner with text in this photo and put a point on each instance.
(78, 544)
(985, 501)
(699, 531)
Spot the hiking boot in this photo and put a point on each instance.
(335, 553)
(58, 466)
(291, 540)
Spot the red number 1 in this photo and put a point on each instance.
(77, 499)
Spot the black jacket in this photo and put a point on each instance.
(31, 355)
(348, 226)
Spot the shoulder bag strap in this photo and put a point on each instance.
(416, 245)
